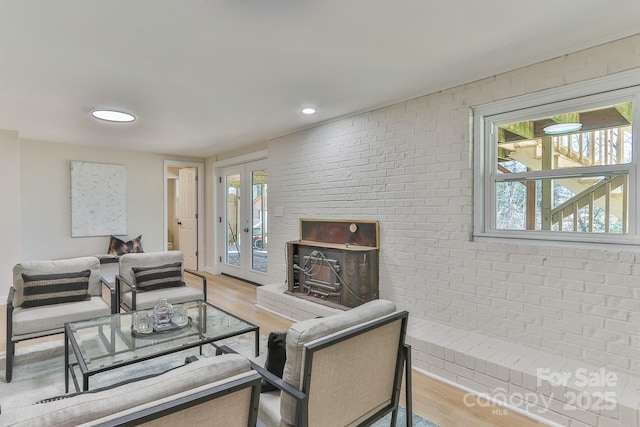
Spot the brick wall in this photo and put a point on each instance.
(409, 166)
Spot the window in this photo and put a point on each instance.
(553, 169)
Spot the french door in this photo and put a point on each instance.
(243, 222)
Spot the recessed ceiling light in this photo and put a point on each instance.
(308, 111)
(112, 116)
(561, 128)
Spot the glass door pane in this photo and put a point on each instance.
(233, 219)
(259, 220)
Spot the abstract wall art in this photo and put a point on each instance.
(98, 199)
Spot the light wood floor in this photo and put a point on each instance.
(434, 400)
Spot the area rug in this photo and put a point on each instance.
(417, 420)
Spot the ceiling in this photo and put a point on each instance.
(211, 76)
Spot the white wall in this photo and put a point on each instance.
(37, 191)
(45, 207)
(410, 167)
(10, 212)
(210, 216)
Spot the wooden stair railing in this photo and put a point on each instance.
(588, 198)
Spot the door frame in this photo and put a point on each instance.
(220, 206)
(200, 223)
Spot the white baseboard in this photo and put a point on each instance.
(275, 312)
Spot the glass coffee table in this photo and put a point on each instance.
(109, 342)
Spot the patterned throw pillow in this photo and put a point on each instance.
(47, 289)
(119, 247)
(158, 277)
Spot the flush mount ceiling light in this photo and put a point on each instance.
(561, 128)
(112, 116)
(308, 111)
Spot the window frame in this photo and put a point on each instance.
(622, 87)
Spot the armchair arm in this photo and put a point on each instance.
(12, 292)
(408, 396)
(271, 378)
(278, 382)
(202, 277)
(10, 343)
(119, 281)
(115, 300)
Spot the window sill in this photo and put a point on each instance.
(605, 241)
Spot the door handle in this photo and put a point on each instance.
(179, 222)
(246, 229)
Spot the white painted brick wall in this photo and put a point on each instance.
(409, 166)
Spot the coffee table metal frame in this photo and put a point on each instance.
(203, 331)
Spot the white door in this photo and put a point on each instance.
(188, 216)
(243, 222)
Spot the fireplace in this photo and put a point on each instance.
(334, 263)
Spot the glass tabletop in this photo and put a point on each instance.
(110, 341)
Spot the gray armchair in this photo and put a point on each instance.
(344, 369)
(144, 278)
(47, 294)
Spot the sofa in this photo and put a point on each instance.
(211, 391)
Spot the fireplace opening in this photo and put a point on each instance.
(321, 275)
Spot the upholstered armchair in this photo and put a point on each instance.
(47, 294)
(343, 369)
(144, 278)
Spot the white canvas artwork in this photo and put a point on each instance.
(98, 199)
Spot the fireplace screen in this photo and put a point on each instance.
(320, 273)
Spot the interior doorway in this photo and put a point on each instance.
(183, 207)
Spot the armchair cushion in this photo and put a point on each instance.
(158, 277)
(51, 318)
(56, 267)
(47, 289)
(147, 259)
(148, 300)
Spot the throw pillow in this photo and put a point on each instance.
(47, 289)
(119, 247)
(158, 277)
(276, 357)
